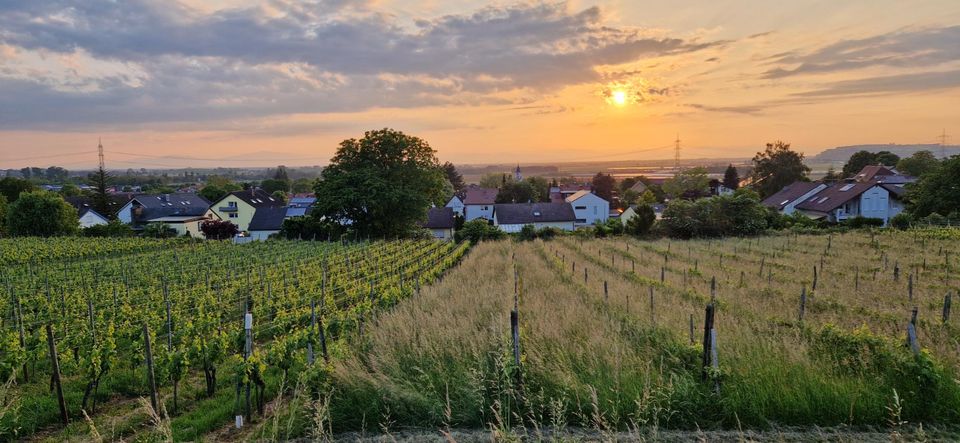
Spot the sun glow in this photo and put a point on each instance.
(618, 97)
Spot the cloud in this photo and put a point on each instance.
(742, 109)
(926, 47)
(306, 57)
(917, 82)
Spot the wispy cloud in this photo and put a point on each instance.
(906, 48)
(293, 57)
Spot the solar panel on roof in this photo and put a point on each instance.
(847, 187)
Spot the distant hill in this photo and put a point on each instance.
(843, 153)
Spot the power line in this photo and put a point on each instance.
(943, 137)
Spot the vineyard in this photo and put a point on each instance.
(850, 331)
(208, 331)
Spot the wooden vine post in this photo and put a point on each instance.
(55, 368)
(151, 378)
(912, 333)
(947, 300)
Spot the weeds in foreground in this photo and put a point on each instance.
(159, 419)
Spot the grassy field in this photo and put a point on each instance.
(606, 342)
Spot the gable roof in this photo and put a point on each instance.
(268, 218)
(638, 187)
(529, 213)
(439, 218)
(114, 201)
(789, 194)
(480, 196)
(897, 191)
(164, 205)
(580, 194)
(83, 211)
(870, 171)
(835, 195)
(258, 198)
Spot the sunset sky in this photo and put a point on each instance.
(241, 83)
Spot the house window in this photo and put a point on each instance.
(232, 204)
(579, 207)
(233, 215)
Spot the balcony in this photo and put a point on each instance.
(227, 209)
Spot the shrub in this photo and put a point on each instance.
(863, 222)
(901, 221)
(112, 229)
(640, 224)
(737, 214)
(527, 233)
(158, 230)
(477, 230)
(219, 229)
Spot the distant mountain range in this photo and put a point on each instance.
(843, 153)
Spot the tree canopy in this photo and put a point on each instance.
(11, 187)
(603, 186)
(861, 159)
(937, 190)
(41, 214)
(454, 176)
(776, 167)
(690, 183)
(381, 185)
(918, 164)
(731, 178)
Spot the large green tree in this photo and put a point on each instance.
(100, 180)
(776, 167)
(861, 159)
(690, 183)
(731, 178)
(603, 186)
(382, 184)
(41, 214)
(11, 187)
(454, 177)
(918, 164)
(937, 191)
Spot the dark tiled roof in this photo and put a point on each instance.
(257, 198)
(835, 195)
(166, 205)
(528, 213)
(898, 191)
(268, 218)
(870, 171)
(789, 193)
(480, 196)
(116, 201)
(439, 218)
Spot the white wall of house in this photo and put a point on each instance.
(124, 215)
(91, 219)
(478, 211)
(442, 234)
(590, 209)
(792, 206)
(456, 204)
(513, 228)
(875, 203)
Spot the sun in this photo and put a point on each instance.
(619, 97)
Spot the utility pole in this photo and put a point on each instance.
(943, 137)
(676, 153)
(100, 152)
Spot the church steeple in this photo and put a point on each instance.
(517, 175)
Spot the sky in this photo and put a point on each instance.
(238, 83)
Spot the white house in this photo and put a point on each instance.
(89, 217)
(143, 209)
(512, 217)
(440, 222)
(478, 203)
(456, 204)
(787, 199)
(589, 208)
(845, 200)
